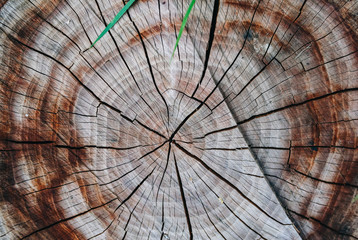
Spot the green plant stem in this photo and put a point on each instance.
(115, 20)
(182, 27)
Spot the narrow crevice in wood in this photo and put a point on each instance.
(149, 64)
(324, 225)
(224, 180)
(67, 219)
(210, 42)
(229, 208)
(183, 199)
(119, 51)
(296, 104)
(323, 181)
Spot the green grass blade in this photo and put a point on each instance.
(116, 18)
(355, 199)
(182, 26)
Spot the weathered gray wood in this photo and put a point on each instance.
(250, 133)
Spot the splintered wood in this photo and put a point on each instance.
(249, 133)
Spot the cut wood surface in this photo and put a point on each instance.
(249, 133)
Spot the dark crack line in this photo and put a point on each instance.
(273, 176)
(161, 28)
(187, 142)
(203, 228)
(149, 64)
(119, 52)
(27, 142)
(162, 229)
(295, 104)
(223, 166)
(104, 147)
(67, 219)
(254, 77)
(165, 169)
(207, 214)
(114, 180)
(84, 30)
(131, 121)
(150, 152)
(244, 222)
(102, 78)
(48, 76)
(222, 149)
(308, 146)
(300, 11)
(274, 58)
(226, 207)
(130, 216)
(191, 97)
(323, 181)
(210, 42)
(150, 129)
(183, 199)
(289, 154)
(225, 180)
(122, 164)
(141, 219)
(150, 107)
(124, 201)
(319, 222)
(57, 186)
(273, 34)
(217, 131)
(117, 179)
(332, 60)
(184, 121)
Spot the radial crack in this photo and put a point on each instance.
(183, 199)
(226, 181)
(210, 42)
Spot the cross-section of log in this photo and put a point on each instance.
(249, 133)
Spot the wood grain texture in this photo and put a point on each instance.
(250, 132)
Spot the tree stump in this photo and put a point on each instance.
(249, 133)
